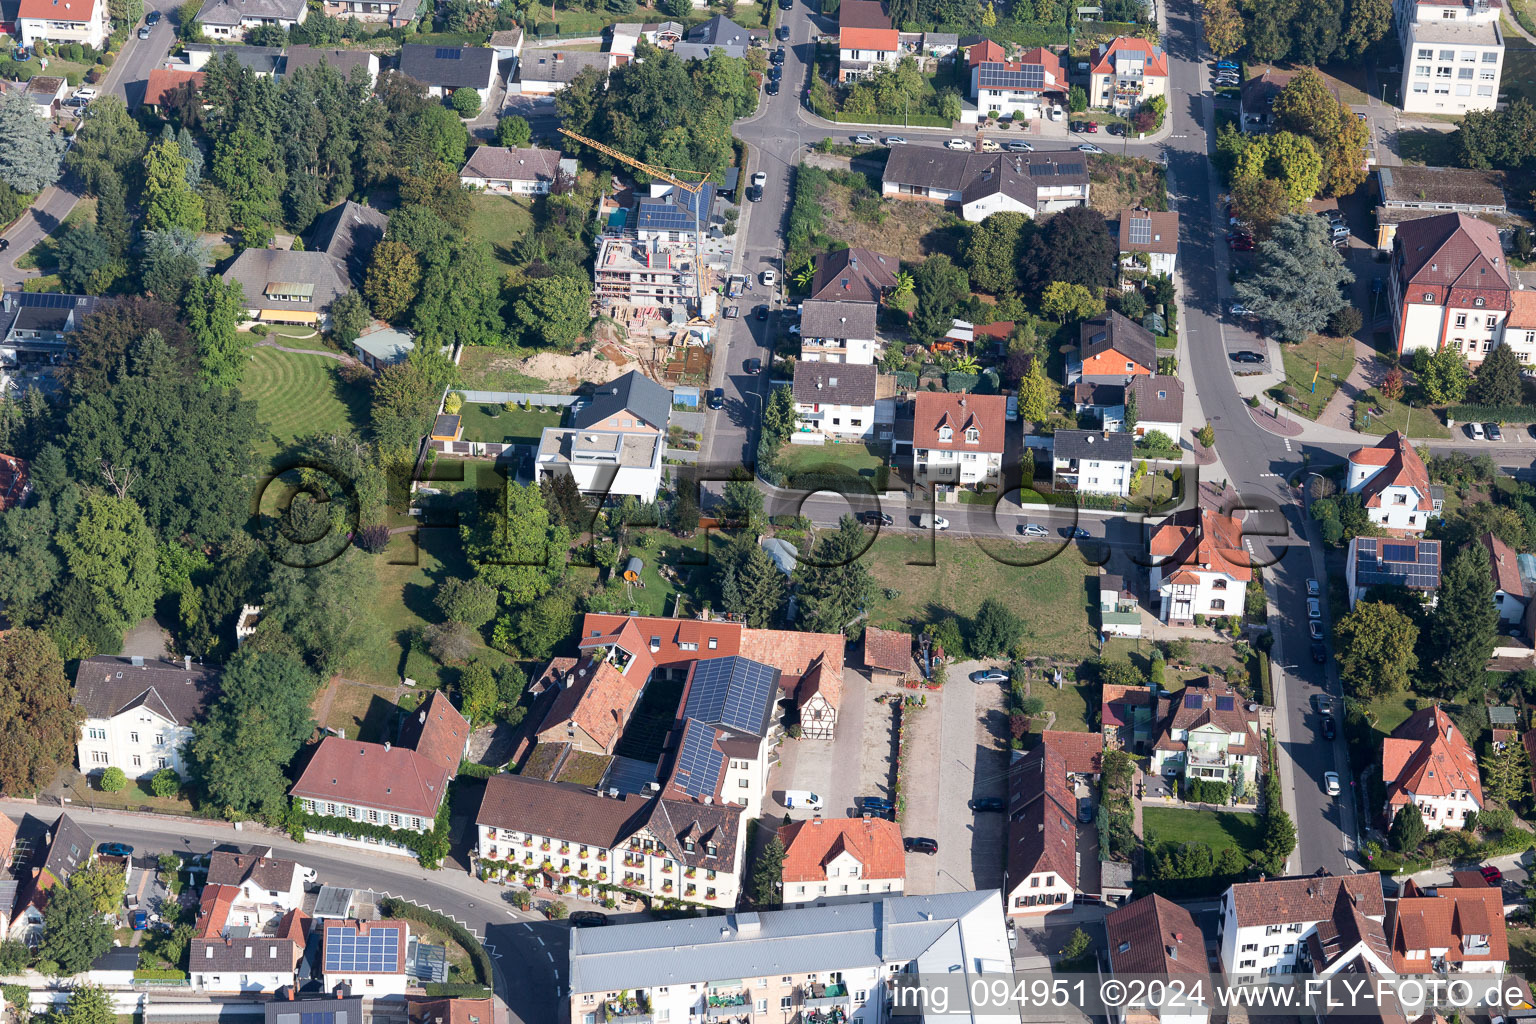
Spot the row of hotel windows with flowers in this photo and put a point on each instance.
(546, 843)
(370, 816)
(635, 880)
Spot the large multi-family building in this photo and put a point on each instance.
(1286, 925)
(958, 439)
(841, 859)
(1042, 859)
(645, 256)
(835, 962)
(137, 714)
(1457, 928)
(63, 21)
(1453, 54)
(1126, 73)
(1393, 483)
(1427, 762)
(1201, 567)
(1449, 286)
(398, 786)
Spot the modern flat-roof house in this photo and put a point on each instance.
(229, 19)
(1453, 54)
(399, 785)
(607, 462)
(1154, 936)
(981, 184)
(1391, 480)
(1110, 349)
(1289, 925)
(1411, 563)
(137, 714)
(446, 69)
(1449, 286)
(837, 331)
(1149, 242)
(545, 73)
(35, 326)
(1413, 193)
(382, 345)
(343, 62)
(841, 859)
(1201, 566)
(1126, 73)
(1457, 928)
(1000, 87)
(1092, 461)
(958, 439)
(561, 834)
(285, 287)
(1429, 763)
(523, 172)
(834, 401)
(63, 21)
(1208, 732)
(834, 960)
(853, 275)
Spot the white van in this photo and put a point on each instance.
(802, 798)
(932, 522)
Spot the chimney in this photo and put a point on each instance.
(422, 718)
(815, 819)
(137, 661)
(386, 746)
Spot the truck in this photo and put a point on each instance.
(735, 285)
(802, 798)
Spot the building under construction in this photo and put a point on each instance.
(647, 255)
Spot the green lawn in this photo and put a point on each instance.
(298, 395)
(1216, 829)
(517, 426)
(1052, 598)
(294, 336)
(1301, 360)
(1429, 147)
(1396, 416)
(501, 221)
(1075, 704)
(694, 578)
(863, 459)
(482, 368)
(42, 256)
(1519, 78)
(1390, 712)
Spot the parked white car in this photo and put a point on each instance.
(959, 144)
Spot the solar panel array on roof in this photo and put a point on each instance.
(1141, 231)
(449, 53)
(1399, 552)
(1192, 700)
(996, 76)
(376, 950)
(698, 763)
(1225, 703)
(734, 692)
(44, 300)
(1407, 564)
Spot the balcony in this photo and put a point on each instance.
(635, 1011)
(834, 1015)
(820, 997)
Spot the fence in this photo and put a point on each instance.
(541, 401)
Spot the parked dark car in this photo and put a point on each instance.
(872, 518)
(761, 312)
(753, 365)
(1330, 729)
(988, 803)
(588, 919)
(914, 844)
(1247, 357)
(781, 33)
(773, 89)
(876, 805)
(114, 850)
(1319, 653)
(755, 192)
(717, 398)
(778, 56)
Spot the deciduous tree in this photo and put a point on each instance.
(1374, 645)
(214, 310)
(109, 143)
(112, 550)
(1446, 376)
(940, 287)
(553, 311)
(1066, 301)
(1223, 27)
(1464, 625)
(393, 278)
(513, 131)
(349, 317)
(251, 731)
(992, 252)
(75, 934)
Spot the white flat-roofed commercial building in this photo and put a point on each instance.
(1453, 55)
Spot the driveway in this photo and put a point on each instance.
(856, 762)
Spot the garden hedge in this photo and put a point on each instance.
(394, 907)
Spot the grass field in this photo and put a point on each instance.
(695, 578)
(482, 368)
(1397, 416)
(501, 221)
(297, 395)
(294, 336)
(1302, 360)
(1051, 598)
(1216, 829)
(1427, 146)
(1073, 703)
(519, 426)
(864, 460)
(42, 255)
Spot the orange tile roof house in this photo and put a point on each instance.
(865, 40)
(1208, 732)
(1201, 566)
(958, 439)
(1391, 480)
(1449, 286)
(827, 858)
(165, 82)
(400, 786)
(1281, 925)
(1110, 349)
(1126, 74)
(1457, 928)
(595, 701)
(887, 654)
(1426, 761)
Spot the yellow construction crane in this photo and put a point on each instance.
(692, 188)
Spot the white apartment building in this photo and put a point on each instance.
(958, 439)
(606, 462)
(1201, 567)
(834, 400)
(1453, 55)
(1394, 485)
(787, 964)
(672, 849)
(63, 21)
(138, 713)
(1266, 927)
(368, 957)
(1092, 461)
(1449, 286)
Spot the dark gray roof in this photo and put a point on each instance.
(348, 233)
(1159, 398)
(634, 392)
(975, 175)
(263, 60)
(105, 687)
(835, 383)
(233, 866)
(69, 847)
(1113, 331)
(1459, 186)
(118, 958)
(1093, 444)
(300, 58)
(559, 65)
(1099, 394)
(825, 319)
(448, 67)
(326, 1009)
(245, 953)
(499, 163)
(232, 12)
(701, 51)
(719, 31)
(257, 268)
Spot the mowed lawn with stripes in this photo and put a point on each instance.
(298, 394)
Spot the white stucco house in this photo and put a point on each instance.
(1200, 566)
(1207, 733)
(1428, 762)
(63, 21)
(1288, 925)
(1092, 461)
(841, 859)
(958, 439)
(834, 401)
(1394, 485)
(608, 462)
(138, 712)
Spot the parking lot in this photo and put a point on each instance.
(856, 763)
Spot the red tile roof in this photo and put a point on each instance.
(213, 911)
(800, 656)
(13, 482)
(670, 636)
(1154, 936)
(1522, 309)
(1156, 60)
(7, 840)
(1042, 818)
(1305, 898)
(887, 649)
(1425, 923)
(1506, 570)
(1081, 753)
(1453, 258)
(57, 10)
(1401, 467)
(935, 409)
(449, 1011)
(874, 842)
(1428, 756)
(598, 701)
(1202, 540)
(164, 81)
(867, 39)
(985, 51)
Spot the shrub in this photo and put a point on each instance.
(1199, 618)
(1344, 323)
(166, 783)
(394, 907)
(453, 403)
(557, 911)
(113, 780)
(373, 539)
(466, 102)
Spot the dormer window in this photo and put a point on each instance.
(972, 435)
(688, 845)
(1429, 296)
(1479, 301)
(946, 434)
(709, 849)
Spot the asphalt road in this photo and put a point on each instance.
(125, 79)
